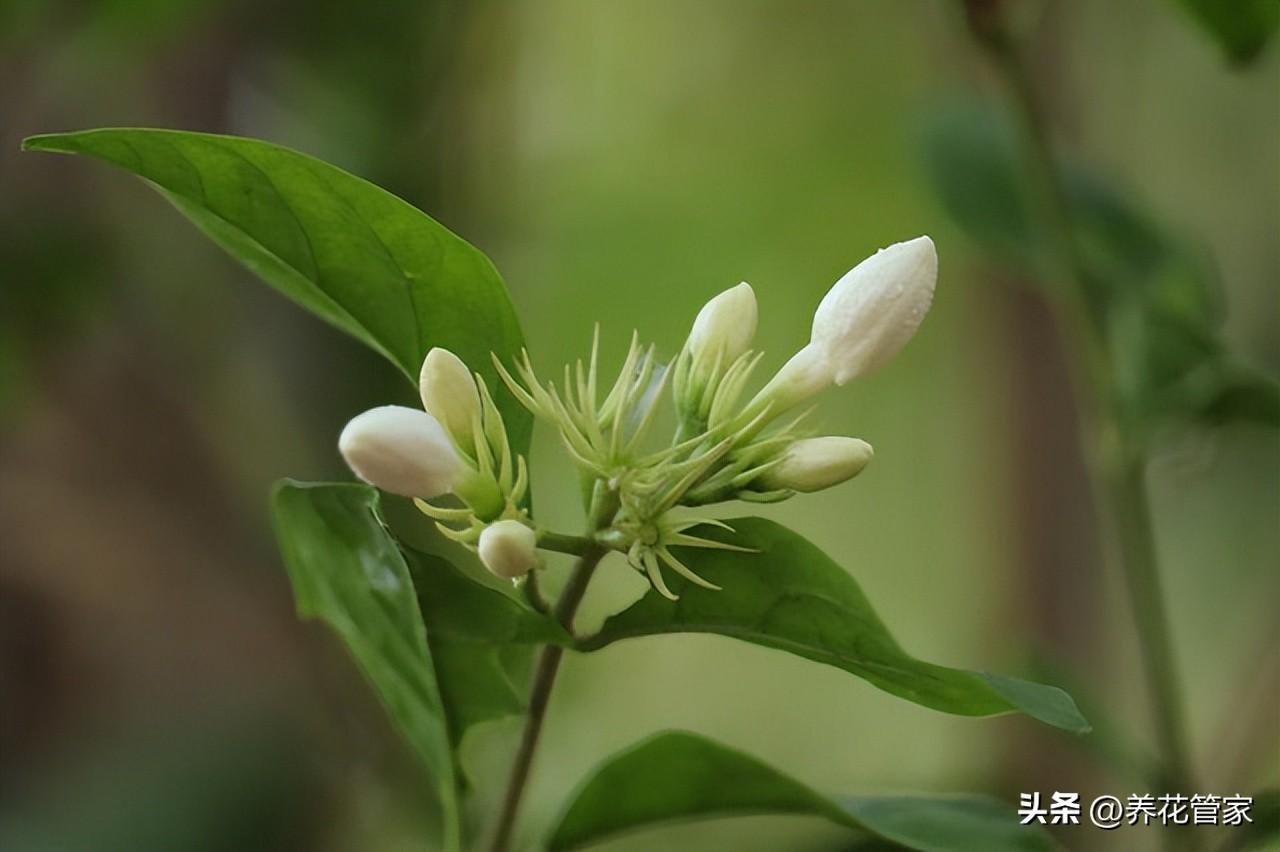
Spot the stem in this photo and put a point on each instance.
(1051, 203)
(533, 594)
(540, 695)
(1117, 465)
(574, 545)
(1132, 513)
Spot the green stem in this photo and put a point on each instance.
(1132, 513)
(574, 545)
(540, 695)
(533, 594)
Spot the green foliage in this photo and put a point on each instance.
(971, 158)
(1153, 298)
(435, 643)
(681, 776)
(224, 777)
(473, 631)
(1264, 831)
(1241, 28)
(443, 649)
(347, 571)
(789, 595)
(351, 253)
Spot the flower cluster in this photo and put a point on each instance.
(727, 446)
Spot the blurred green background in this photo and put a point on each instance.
(620, 162)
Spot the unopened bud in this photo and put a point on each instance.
(871, 313)
(449, 394)
(813, 464)
(721, 335)
(401, 450)
(724, 327)
(806, 374)
(508, 549)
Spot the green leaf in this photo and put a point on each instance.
(1154, 297)
(970, 154)
(461, 609)
(347, 571)
(352, 253)
(681, 776)
(1264, 832)
(789, 595)
(977, 166)
(1235, 394)
(1241, 28)
(471, 630)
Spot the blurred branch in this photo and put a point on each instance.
(1252, 719)
(1119, 458)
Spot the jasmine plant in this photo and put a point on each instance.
(431, 633)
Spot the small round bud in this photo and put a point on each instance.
(508, 549)
(871, 313)
(401, 450)
(449, 394)
(724, 327)
(813, 464)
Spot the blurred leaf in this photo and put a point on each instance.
(470, 628)
(350, 252)
(681, 776)
(347, 571)
(1240, 395)
(1124, 249)
(974, 159)
(1154, 297)
(971, 157)
(227, 777)
(1241, 28)
(1109, 744)
(1264, 831)
(13, 377)
(789, 595)
(55, 264)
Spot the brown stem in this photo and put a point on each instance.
(544, 679)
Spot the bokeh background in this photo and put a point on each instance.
(621, 162)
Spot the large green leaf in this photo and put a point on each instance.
(789, 595)
(462, 609)
(681, 776)
(473, 630)
(1241, 28)
(350, 252)
(347, 571)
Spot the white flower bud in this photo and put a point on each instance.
(807, 374)
(449, 394)
(813, 464)
(724, 327)
(509, 549)
(870, 313)
(401, 450)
